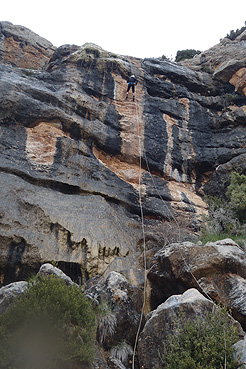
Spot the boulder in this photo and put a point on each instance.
(161, 322)
(12, 290)
(47, 270)
(216, 269)
(240, 353)
(119, 307)
(9, 293)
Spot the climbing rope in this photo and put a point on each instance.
(172, 215)
(179, 232)
(143, 234)
(143, 153)
(178, 228)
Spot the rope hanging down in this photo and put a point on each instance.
(178, 227)
(143, 233)
(142, 152)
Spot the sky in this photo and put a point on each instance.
(131, 27)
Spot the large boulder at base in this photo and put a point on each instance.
(217, 269)
(160, 324)
(9, 292)
(48, 269)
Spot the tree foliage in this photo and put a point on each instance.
(186, 54)
(227, 215)
(201, 344)
(234, 34)
(236, 193)
(106, 321)
(51, 325)
(222, 218)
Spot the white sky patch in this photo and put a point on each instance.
(130, 27)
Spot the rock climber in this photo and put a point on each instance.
(132, 81)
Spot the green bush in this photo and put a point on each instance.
(213, 237)
(223, 220)
(51, 325)
(186, 54)
(106, 321)
(122, 352)
(201, 344)
(236, 193)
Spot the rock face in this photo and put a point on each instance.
(22, 48)
(76, 157)
(225, 60)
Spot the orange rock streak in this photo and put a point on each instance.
(126, 171)
(239, 81)
(27, 55)
(41, 143)
(131, 112)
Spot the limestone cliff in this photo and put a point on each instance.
(70, 148)
(20, 47)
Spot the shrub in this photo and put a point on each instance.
(106, 321)
(236, 193)
(51, 325)
(122, 352)
(221, 218)
(164, 57)
(233, 34)
(201, 344)
(222, 221)
(186, 54)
